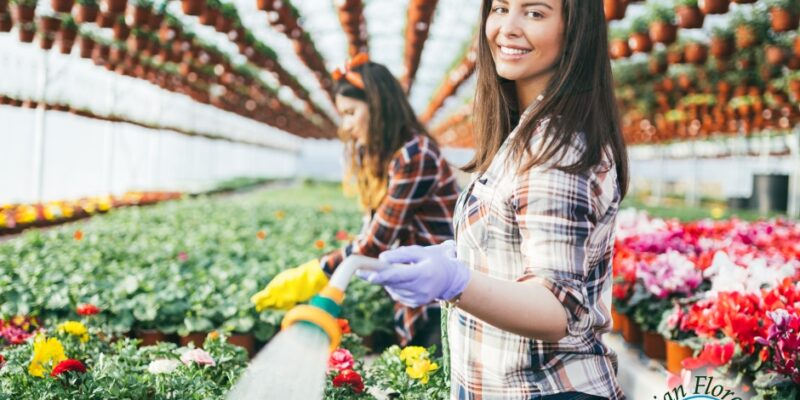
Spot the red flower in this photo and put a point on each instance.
(343, 325)
(342, 235)
(350, 378)
(2, 361)
(713, 354)
(88, 309)
(67, 366)
(78, 235)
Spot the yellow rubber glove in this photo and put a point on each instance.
(291, 287)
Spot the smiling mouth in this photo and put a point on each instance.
(511, 51)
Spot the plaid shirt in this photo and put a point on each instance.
(417, 210)
(550, 227)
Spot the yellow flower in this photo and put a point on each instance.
(104, 203)
(411, 354)
(46, 353)
(717, 212)
(326, 209)
(75, 328)
(421, 370)
(279, 215)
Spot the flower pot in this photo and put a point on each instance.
(209, 16)
(663, 32)
(87, 46)
(695, 53)
(616, 320)
(246, 341)
(657, 66)
(65, 46)
(155, 21)
(151, 337)
(193, 7)
(141, 16)
(676, 353)
(630, 331)
(24, 14)
(674, 57)
(614, 9)
(714, 6)
(115, 7)
(721, 48)
(640, 43)
(121, 31)
(27, 34)
(46, 41)
(775, 55)
(654, 345)
(6, 23)
(745, 37)
(106, 20)
(86, 13)
(62, 6)
(223, 24)
(689, 17)
(783, 20)
(49, 25)
(195, 337)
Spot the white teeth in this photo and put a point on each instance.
(513, 52)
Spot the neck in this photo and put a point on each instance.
(530, 88)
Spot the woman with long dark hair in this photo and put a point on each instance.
(403, 183)
(528, 279)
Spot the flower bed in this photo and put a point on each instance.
(186, 266)
(725, 293)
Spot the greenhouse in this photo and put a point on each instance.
(400, 199)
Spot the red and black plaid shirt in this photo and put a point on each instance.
(417, 210)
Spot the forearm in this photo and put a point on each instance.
(524, 308)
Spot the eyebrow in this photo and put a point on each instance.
(533, 3)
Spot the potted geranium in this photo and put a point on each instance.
(662, 27)
(639, 40)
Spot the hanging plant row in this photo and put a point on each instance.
(455, 78)
(351, 16)
(457, 130)
(284, 17)
(420, 16)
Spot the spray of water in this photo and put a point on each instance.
(291, 367)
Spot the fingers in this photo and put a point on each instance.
(406, 298)
(397, 275)
(403, 255)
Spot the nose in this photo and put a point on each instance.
(510, 25)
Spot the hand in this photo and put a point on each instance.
(291, 287)
(431, 273)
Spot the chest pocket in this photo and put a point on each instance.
(474, 213)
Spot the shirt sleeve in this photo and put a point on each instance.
(411, 180)
(553, 210)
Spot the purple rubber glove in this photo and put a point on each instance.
(430, 273)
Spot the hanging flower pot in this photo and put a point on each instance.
(67, 35)
(105, 20)
(140, 15)
(49, 25)
(87, 11)
(115, 7)
(640, 42)
(675, 56)
(783, 19)
(27, 32)
(746, 36)
(775, 55)
(86, 47)
(6, 23)
(209, 16)
(25, 12)
(696, 53)
(619, 49)
(658, 64)
(721, 47)
(223, 24)
(689, 17)
(714, 6)
(614, 9)
(121, 30)
(62, 6)
(663, 32)
(193, 7)
(46, 40)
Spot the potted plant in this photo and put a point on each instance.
(62, 6)
(657, 63)
(46, 40)
(784, 14)
(618, 45)
(228, 18)
(714, 6)
(614, 9)
(688, 15)
(695, 52)
(211, 13)
(662, 28)
(750, 29)
(121, 29)
(193, 7)
(25, 10)
(87, 11)
(681, 342)
(722, 44)
(116, 7)
(49, 24)
(69, 31)
(86, 46)
(140, 12)
(639, 40)
(675, 53)
(6, 23)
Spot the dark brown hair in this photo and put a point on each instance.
(579, 97)
(392, 123)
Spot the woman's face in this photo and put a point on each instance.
(525, 37)
(355, 118)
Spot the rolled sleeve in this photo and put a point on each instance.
(555, 218)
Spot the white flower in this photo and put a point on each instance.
(198, 356)
(162, 366)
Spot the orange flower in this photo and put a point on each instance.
(213, 335)
(343, 325)
(78, 235)
(319, 244)
(261, 235)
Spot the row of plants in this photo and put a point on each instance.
(722, 295)
(185, 267)
(17, 217)
(80, 358)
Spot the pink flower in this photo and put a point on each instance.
(674, 380)
(340, 360)
(198, 356)
(182, 256)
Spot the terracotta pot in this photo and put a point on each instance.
(87, 45)
(695, 53)
(223, 24)
(721, 48)
(616, 320)
(654, 345)
(793, 63)
(24, 14)
(657, 66)
(631, 331)
(714, 6)
(151, 337)
(62, 6)
(86, 13)
(775, 55)
(49, 25)
(141, 16)
(209, 16)
(783, 20)
(689, 17)
(675, 57)
(663, 32)
(6, 23)
(26, 35)
(65, 46)
(115, 7)
(195, 337)
(106, 20)
(640, 43)
(121, 31)
(614, 9)
(193, 7)
(46, 41)
(619, 49)
(745, 37)
(246, 341)
(155, 21)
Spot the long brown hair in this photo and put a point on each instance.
(392, 123)
(580, 94)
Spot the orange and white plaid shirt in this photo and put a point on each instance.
(554, 228)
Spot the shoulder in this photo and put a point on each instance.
(419, 148)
